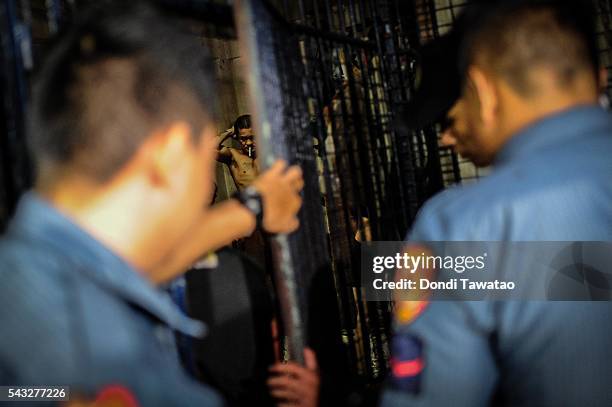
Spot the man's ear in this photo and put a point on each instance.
(486, 93)
(171, 148)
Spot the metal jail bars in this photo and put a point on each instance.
(326, 78)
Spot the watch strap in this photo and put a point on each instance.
(251, 199)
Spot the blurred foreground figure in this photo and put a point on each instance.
(123, 138)
(528, 91)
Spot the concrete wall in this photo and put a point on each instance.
(232, 102)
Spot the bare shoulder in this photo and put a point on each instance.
(239, 156)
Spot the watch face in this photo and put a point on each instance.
(253, 205)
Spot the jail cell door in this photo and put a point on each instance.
(317, 77)
(282, 131)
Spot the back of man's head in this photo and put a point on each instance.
(115, 77)
(512, 38)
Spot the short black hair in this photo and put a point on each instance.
(242, 122)
(512, 36)
(111, 79)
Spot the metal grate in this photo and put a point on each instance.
(339, 71)
(327, 79)
(16, 61)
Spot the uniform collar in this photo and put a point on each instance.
(553, 131)
(36, 220)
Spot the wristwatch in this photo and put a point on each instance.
(250, 198)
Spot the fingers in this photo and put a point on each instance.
(298, 184)
(293, 175)
(288, 397)
(294, 385)
(310, 359)
(447, 139)
(278, 167)
(287, 369)
(295, 178)
(285, 385)
(280, 188)
(294, 225)
(293, 372)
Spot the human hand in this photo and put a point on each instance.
(292, 384)
(280, 188)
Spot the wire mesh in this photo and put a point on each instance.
(16, 61)
(333, 78)
(342, 70)
(354, 71)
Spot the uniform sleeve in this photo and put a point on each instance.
(457, 337)
(160, 387)
(459, 365)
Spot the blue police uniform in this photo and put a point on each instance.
(551, 182)
(74, 313)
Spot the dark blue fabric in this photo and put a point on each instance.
(178, 292)
(74, 313)
(551, 182)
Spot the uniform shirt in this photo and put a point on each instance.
(74, 313)
(551, 182)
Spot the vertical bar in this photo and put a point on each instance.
(404, 169)
(15, 59)
(54, 15)
(337, 222)
(248, 20)
(343, 155)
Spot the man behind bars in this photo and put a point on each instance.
(528, 107)
(242, 162)
(124, 144)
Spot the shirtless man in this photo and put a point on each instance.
(242, 162)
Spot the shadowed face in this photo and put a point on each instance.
(247, 142)
(465, 132)
(458, 132)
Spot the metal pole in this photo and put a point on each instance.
(254, 34)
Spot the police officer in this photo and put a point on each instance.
(528, 107)
(123, 139)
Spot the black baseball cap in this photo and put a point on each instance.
(438, 82)
(438, 79)
(442, 62)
